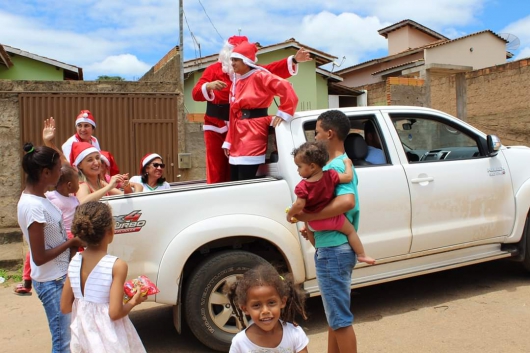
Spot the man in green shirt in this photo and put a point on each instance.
(334, 258)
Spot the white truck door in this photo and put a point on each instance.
(458, 194)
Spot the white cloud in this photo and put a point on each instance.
(521, 29)
(87, 33)
(126, 65)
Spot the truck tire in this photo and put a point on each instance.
(526, 235)
(207, 310)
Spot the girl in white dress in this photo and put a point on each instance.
(93, 291)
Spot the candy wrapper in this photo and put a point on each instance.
(147, 287)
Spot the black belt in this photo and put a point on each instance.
(219, 111)
(254, 113)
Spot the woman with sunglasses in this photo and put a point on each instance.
(151, 171)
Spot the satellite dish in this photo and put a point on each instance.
(512, 39)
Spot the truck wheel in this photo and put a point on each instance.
(526, 235)
(208, 312)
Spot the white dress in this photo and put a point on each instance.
(92, 328)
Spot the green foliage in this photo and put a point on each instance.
(110, 78)
(11, 276)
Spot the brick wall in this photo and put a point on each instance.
(405, 91)
(396, 91)
(376, 93)
(497, 100)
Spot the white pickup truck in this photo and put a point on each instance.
(447, 196)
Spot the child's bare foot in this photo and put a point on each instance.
(364, 258)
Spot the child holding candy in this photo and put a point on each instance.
(93, 291)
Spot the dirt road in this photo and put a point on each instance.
(481, 308)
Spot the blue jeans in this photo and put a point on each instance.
(334, 267)
(50, 295)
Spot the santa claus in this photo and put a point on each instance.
(214, 88)
(253, 89)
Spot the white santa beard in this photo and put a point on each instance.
(224, 59)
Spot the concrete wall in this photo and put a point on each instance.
(497, 100)
(488, 50)
(405, 38)
(10, 144)
(28, 69)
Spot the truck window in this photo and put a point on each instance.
(364, 145)
(427, 139)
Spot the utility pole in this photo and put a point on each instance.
(181, 45)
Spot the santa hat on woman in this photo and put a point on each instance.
(108, 159)
(86, 117)
(79, 151)
(147, 159)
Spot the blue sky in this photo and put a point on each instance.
(126, 38)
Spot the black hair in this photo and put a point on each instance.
(267, 275)
(369, 127)
(91, 221)
(36, 159)
(143, 173)
(337, 121)
(313, 152)
(68, 174)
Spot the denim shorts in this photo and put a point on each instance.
(50, 295)
(334, 267)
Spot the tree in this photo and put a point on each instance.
(110, 78)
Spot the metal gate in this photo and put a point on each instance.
(128, 125)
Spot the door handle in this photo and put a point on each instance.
(422, 180)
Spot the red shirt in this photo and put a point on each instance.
(318, 193)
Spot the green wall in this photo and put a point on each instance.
(310, 87)
(28, 69)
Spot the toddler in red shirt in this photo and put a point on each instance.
(316, 191)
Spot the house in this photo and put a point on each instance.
(17, 64)
(414, 50)
(316, 87)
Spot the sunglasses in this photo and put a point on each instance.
(156, 165)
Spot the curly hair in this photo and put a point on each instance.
(337, 121)
(266, 275)
(36, 159)
(312, 152)
(91, 221)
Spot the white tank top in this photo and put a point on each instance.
(97, 285)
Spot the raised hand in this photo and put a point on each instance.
(48, 132)
(302, 55)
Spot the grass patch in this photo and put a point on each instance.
(11, 276)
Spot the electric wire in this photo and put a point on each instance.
(204, 9)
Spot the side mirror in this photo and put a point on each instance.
(494, 144)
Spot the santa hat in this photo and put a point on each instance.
(147, 159)
(79, 151)
(245, 51)
(86, 117)
(108, 159)
(236, 40)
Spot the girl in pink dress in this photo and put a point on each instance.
(317, 189)
(93, 291)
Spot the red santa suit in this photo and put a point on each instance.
(218, 110)
(251, 95)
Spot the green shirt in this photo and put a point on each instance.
(330, 238)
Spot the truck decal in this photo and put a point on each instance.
(129, 223)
